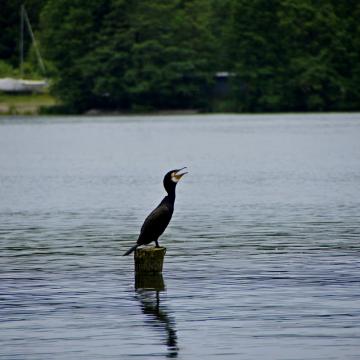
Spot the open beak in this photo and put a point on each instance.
(179, 175)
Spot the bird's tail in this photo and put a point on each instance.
(131, 250)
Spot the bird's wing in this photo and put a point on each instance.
(156, 223)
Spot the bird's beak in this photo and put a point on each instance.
(179, 175)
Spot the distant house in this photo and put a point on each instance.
(222, 83)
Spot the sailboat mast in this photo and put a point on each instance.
(37, 51)
(21, 41)
(25, 18)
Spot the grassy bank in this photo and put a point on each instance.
(24, 104)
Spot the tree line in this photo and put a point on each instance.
(279, 55)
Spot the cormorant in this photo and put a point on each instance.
(156, 223)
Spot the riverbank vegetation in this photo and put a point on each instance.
(274, 55)
(26, 104)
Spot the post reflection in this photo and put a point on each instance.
(148, 289)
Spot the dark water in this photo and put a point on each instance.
(263, 256)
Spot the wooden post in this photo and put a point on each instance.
(149, 260)
(149, 282)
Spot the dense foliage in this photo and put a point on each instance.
(295, 55)
(282, 55)
(10, 27)
(129, 54)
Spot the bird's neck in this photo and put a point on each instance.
(171, 196)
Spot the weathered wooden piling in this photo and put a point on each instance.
(149, 282)
(149, 260)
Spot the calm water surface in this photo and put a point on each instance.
(263, 252)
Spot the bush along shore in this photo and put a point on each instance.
(25, 104)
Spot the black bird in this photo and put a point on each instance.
(156, 223)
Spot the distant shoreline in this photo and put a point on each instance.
(24, 104)
(46, 105)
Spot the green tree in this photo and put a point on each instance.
(313, 43)
(348, 61)
(257, 56)
(10, 27)
(220, 25)
(110, 58)
(129, 54)
(294, 55)
(140, 54)
(69, 34)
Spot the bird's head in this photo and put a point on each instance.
(172, 178)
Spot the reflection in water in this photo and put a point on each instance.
(148, 288)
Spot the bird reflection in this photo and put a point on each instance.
(148, 288)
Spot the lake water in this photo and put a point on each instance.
(263, 251)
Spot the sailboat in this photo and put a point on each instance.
(21, 85)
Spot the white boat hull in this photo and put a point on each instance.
(21, 85)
